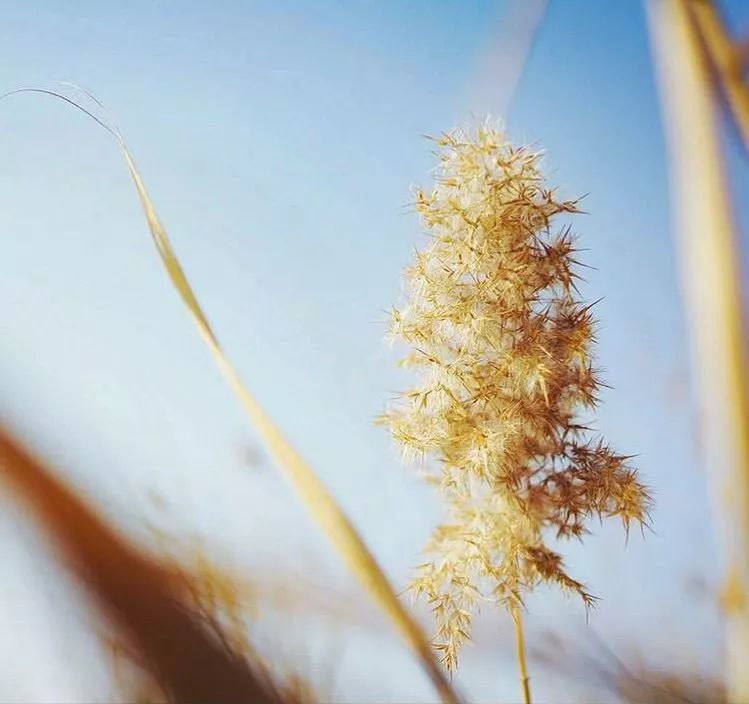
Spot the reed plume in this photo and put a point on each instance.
(502, 345)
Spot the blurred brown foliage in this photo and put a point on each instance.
(152, 608)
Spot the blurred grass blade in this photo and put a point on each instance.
(709, 259)
(143, 599)
(726, 62)
(500, 71)
(319, 502)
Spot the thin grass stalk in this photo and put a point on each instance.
(708, 254)
(319, 502)
(525, 682)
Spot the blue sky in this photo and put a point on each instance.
(279, 142)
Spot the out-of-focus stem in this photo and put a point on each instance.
(726, 63)
(711, 285)
(520, 650)
(501, 70)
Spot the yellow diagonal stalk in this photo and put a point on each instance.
(709, 262)
(318, 501)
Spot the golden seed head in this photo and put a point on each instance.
(502, 348)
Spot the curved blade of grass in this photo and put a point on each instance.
(319, 503)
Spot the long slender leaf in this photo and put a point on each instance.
(320, 504)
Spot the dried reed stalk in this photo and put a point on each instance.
(707, 248)
(726, 61)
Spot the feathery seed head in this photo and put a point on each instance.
(502, 346)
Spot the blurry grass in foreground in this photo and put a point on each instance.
(158, 618)
(690, 71)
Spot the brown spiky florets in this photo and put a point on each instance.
(502, 344)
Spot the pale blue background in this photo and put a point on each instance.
(279, 141)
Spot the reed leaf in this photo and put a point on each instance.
(318, 501)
